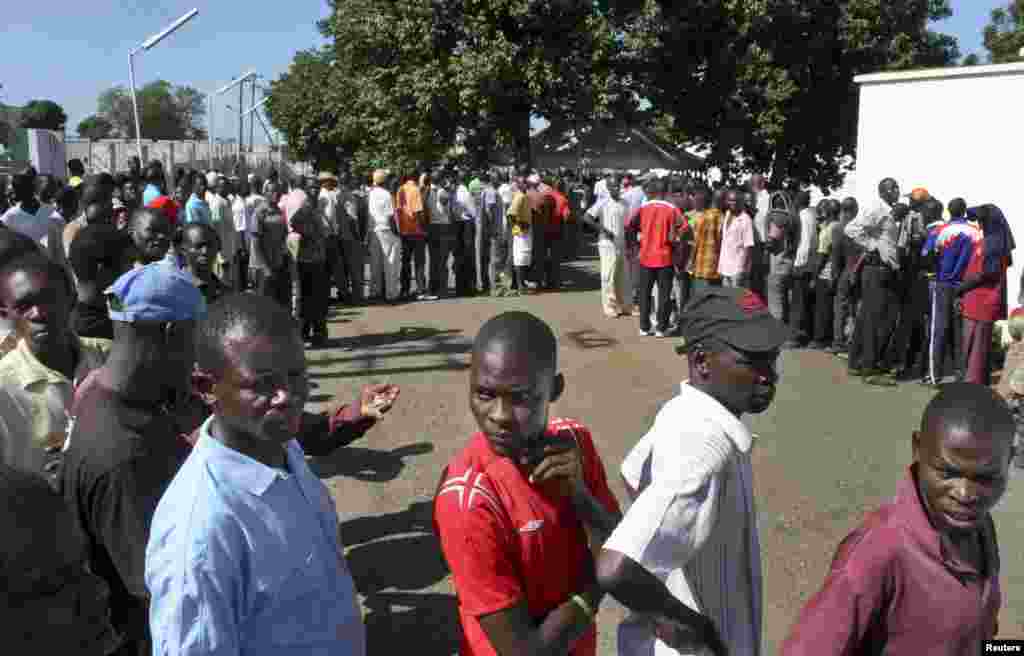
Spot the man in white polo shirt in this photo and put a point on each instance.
(686, 557)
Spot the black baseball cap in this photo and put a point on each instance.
(734, 315)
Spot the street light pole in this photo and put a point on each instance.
(146, 45)
(241, 125)
(227, 87)
(135, 103)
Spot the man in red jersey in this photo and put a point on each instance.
(660, 225)
(523, 507)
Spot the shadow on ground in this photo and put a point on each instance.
(391, 557)
(589, 338)
(371, 465)
(406, 341)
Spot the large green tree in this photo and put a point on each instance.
(95, 127)
(166, 111)
(43, 115)
(407, 80)
(768, 84)
(1004, 35)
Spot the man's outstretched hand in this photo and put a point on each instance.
(376, 400)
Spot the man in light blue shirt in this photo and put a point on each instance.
(196, 209)
(244, 555)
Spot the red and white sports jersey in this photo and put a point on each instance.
(507, 541)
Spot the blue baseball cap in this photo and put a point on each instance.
(155, 292)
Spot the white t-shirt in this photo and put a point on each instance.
(382, 209)
(634, 197)
(438, 201)
(240, 213)
(328, 206)
(694, 524)
(252, 203)
(35, 226)
(612, 216)
(505, 194)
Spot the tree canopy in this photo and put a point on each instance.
(95, 127)
(43, 115)
(409, 82)
(166, 111)
(406, 81)
(1004, 35)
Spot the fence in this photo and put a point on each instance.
(112, 155)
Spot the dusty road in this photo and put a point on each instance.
(829, 449)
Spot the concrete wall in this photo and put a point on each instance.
(955, 132)
(113, 154)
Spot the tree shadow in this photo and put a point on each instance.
(391, 555)
(378, 372)
(443, 348)
(588, 338)
(580, 276)
(370, 465)
(429, 622)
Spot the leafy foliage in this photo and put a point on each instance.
(166, 111)
(767, 85)
(411, 82)
(1004, 35)
(764, 85)
(95, 127)
(43, 115)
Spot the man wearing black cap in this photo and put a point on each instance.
(686, 557)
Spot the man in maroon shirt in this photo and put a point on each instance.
(920, 575)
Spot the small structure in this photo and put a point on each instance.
(607, 146)
(954, 131)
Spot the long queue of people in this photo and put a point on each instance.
(900, 289)
(181, 516)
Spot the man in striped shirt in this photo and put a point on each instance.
(686, 557)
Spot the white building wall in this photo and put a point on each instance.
(955, 132)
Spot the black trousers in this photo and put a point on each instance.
(824, 301)
(465, 258)
(550, 260)
(414, 264)
(946, 331)
(441, 240)
(799, 308)
(277, 285)
(875, 319)
(664, 277)
(314, 292)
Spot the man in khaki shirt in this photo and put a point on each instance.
(39, 375)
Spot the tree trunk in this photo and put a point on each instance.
(521, 140)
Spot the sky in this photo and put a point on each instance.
(78, 49)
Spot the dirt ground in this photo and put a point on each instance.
(829, 449)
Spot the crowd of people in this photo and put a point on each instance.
(153, 439)
(900, 290)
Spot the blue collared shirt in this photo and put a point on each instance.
(197, 211)
(150, 193)
(245, 559)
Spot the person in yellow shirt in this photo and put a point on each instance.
(520, 216)
(49, 360)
